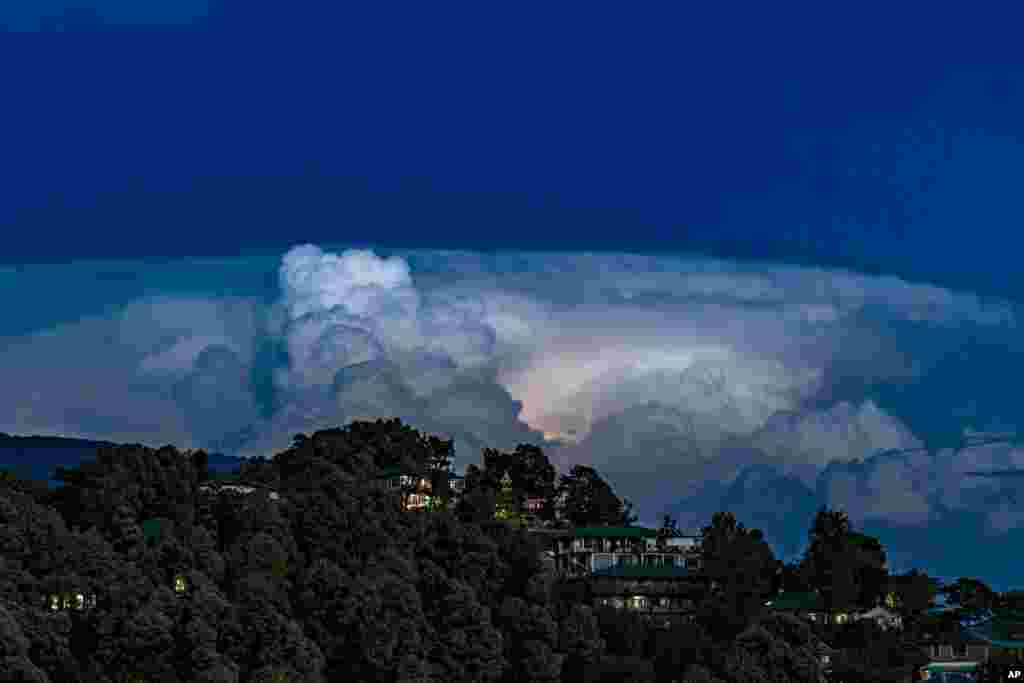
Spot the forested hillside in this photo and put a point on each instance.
(131, 572)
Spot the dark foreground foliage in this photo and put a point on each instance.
(328, 580)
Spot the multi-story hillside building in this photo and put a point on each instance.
(630, 568)
(666, 594)
(585, 550)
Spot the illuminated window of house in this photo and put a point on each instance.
(54, 602)
(179, 584)
(842, 618)
(638, 602)
(891, 601)
(79, 601)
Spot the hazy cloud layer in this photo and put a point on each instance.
(692, 383)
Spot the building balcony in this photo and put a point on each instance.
(642, 602)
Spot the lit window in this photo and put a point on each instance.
(79, 601)
(54, 602)
(842, 618)
(638, 602)
(179, 584)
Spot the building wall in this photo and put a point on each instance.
(586, 555)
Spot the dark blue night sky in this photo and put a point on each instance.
(796, 136)
(596, 218)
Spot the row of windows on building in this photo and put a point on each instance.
(80, 600)
(612, 545)
(641, 602)
(599, 561)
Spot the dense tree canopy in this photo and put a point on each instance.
(970, 593)
(590, 501)
(142, 568)
(740, 568)
(846, 567)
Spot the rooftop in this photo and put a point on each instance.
(796, 601)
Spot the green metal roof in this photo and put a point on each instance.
(939, 667)
(861, 539)
(797, 601)
(640, 572)
(612, 532)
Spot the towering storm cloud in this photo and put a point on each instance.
(692, 384)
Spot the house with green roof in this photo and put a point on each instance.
(662, 592)
(585, 550)
(957, 646)
(810, 606)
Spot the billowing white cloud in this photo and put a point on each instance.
(678, 378)
(842, 432)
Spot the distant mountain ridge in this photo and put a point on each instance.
(38, 457)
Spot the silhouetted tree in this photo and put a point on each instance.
(589, 500)
(740, 569)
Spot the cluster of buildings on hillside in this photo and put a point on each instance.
(659, 576)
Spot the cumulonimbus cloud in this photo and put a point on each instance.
(673, 375)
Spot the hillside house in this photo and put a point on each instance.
(951, 649)
(886, 619)
(416, 489)
(584, 550)
(230, 484)
(76, 600)
(811, 606)
(666, 595)
(612, 566)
